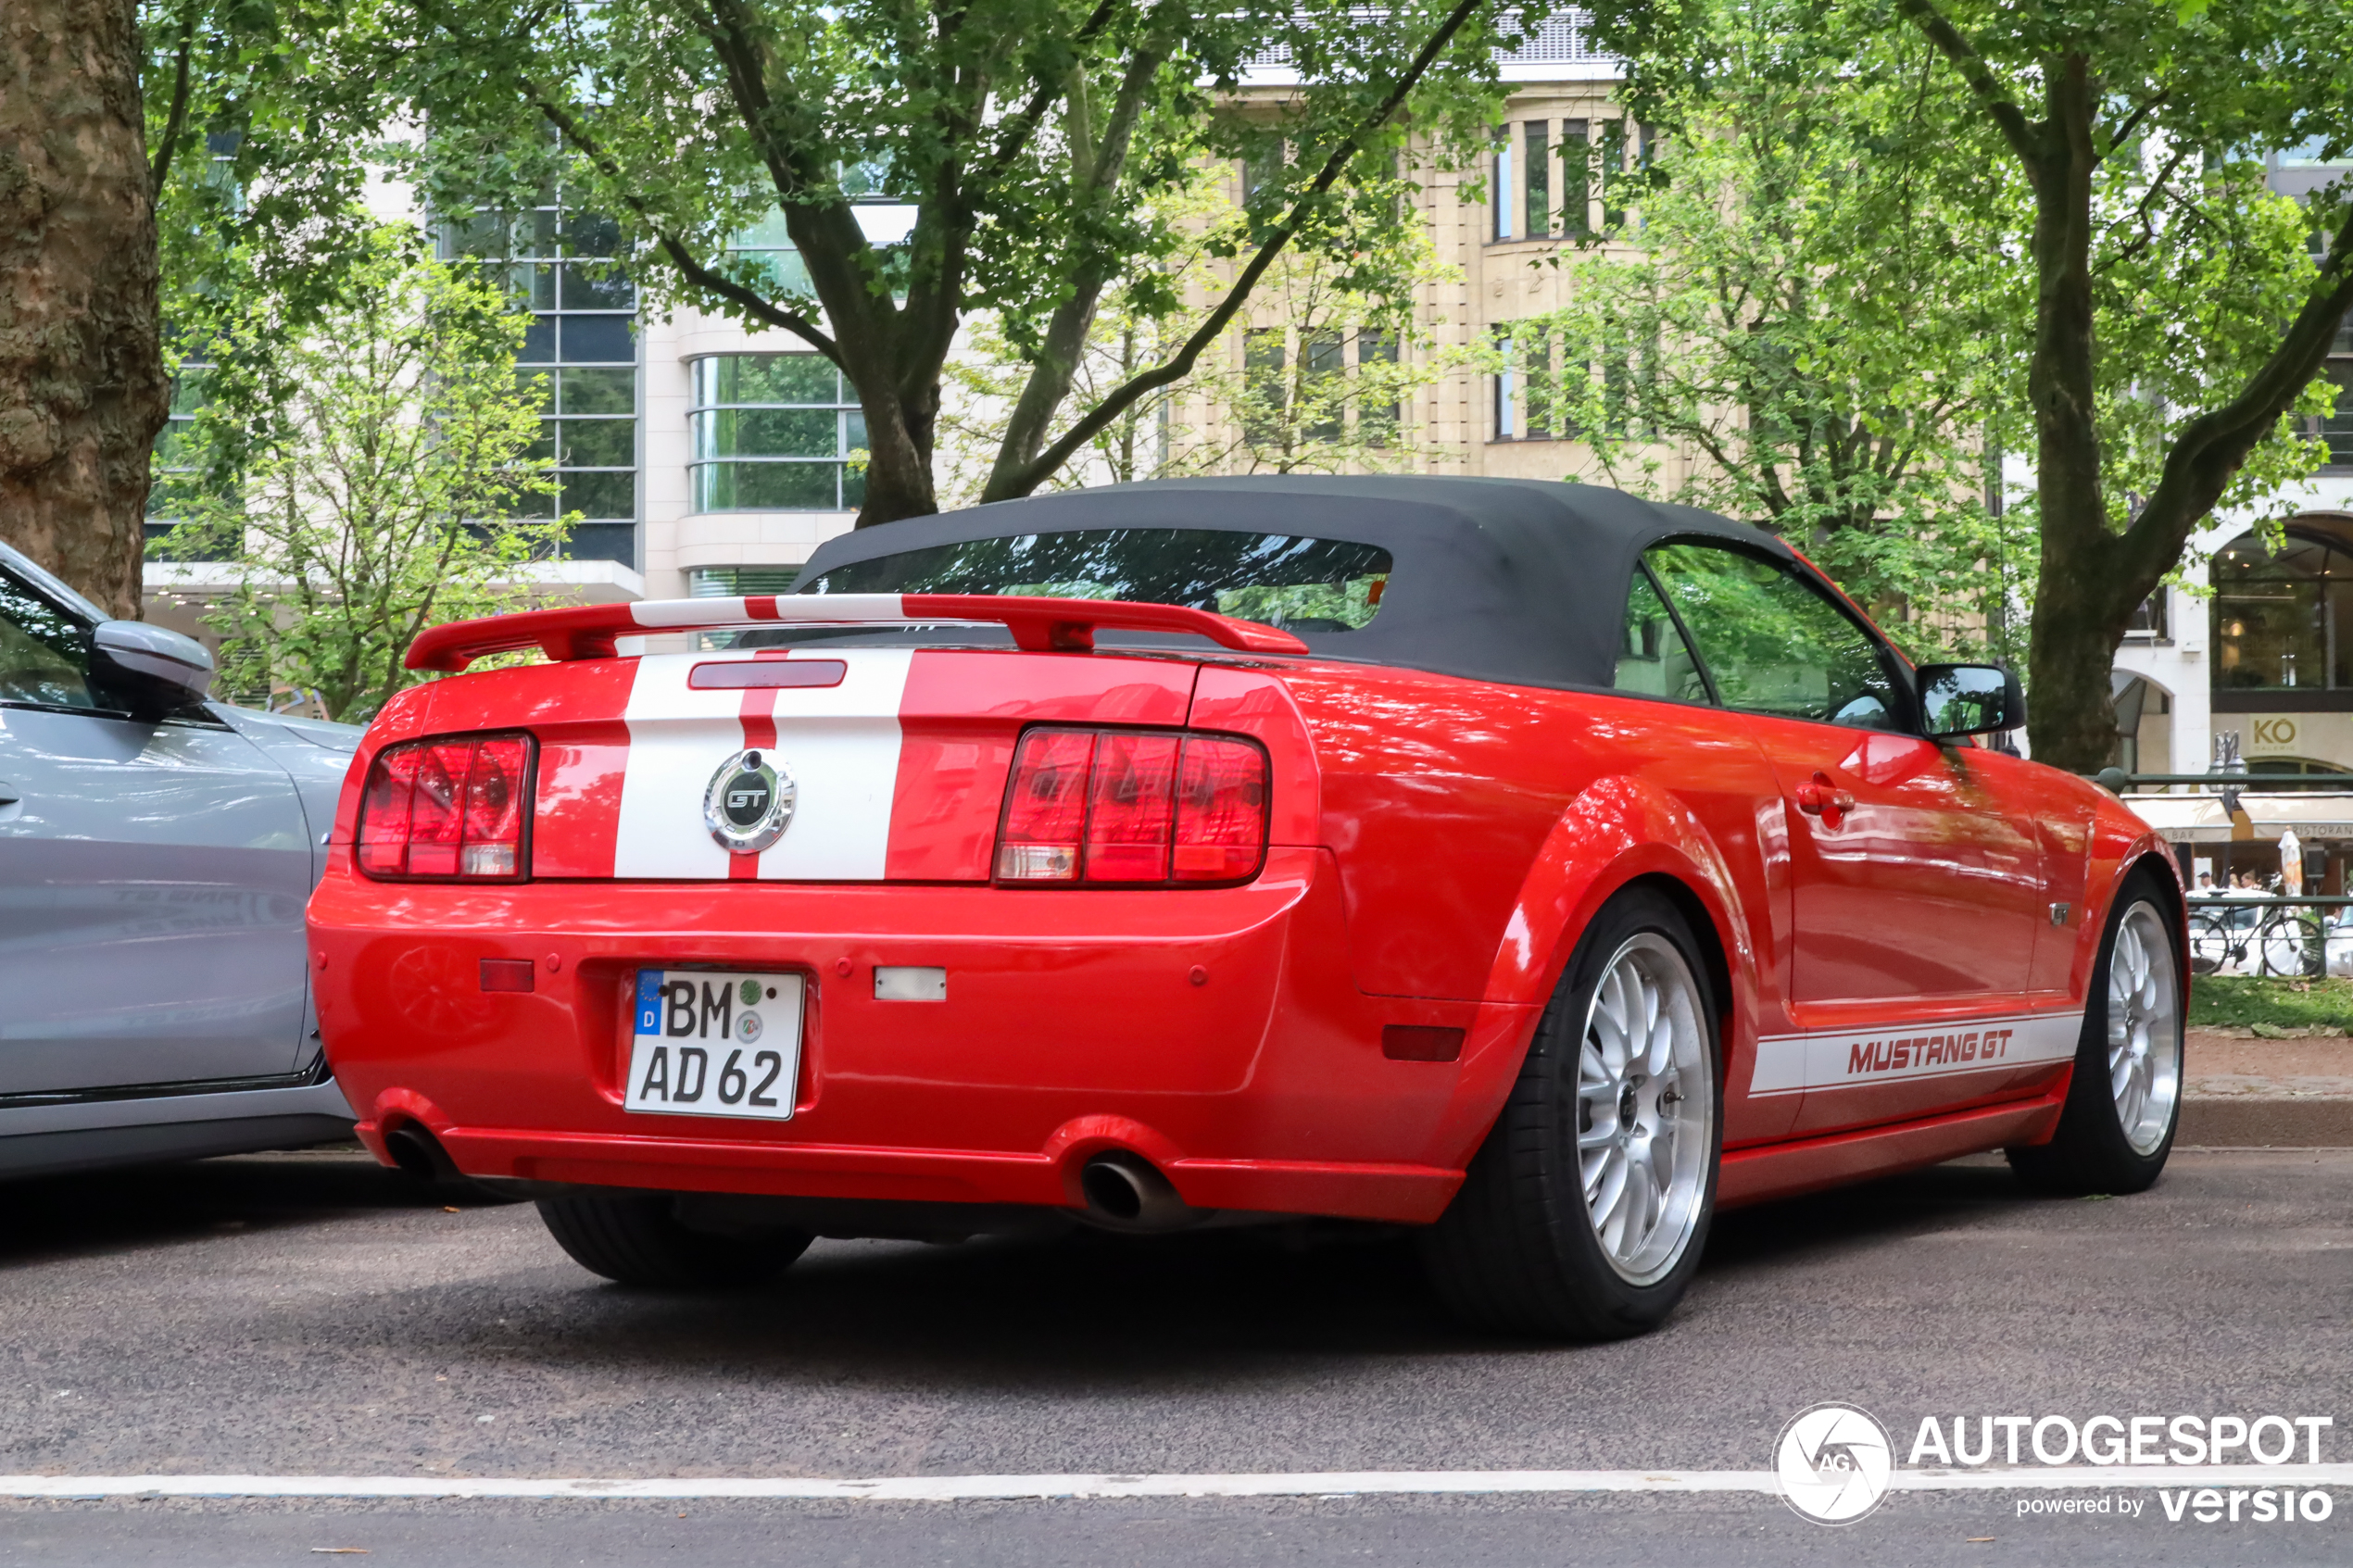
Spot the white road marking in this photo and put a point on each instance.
(951, 1488)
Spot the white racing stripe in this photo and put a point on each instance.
(1787, 1064)
(953, 1488)
(804, 608)
(839, 742)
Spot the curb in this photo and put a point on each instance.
(2235, 1122)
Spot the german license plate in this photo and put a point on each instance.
(714, 1042)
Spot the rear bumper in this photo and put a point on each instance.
(1216, 1031)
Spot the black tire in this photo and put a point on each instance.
(2090, 1153)
(634, 1238)
(1516, 1252)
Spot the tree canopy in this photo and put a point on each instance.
(2176, 310)
(1019, 146)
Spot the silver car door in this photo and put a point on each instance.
(152, 882)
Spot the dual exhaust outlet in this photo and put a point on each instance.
(1124, 1191)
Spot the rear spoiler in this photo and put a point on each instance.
(1039, 625)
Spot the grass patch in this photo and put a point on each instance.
(2241, 1001)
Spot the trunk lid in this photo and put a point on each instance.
(895, 757)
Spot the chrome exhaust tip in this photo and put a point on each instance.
(1125, 1192)
(420, 1155)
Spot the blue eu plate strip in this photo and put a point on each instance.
(649, 1001)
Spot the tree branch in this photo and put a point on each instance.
(689, 267)
(557, 115)
(1016, 131)
(2211, 447)
(2140, 212)
(1065, 337)
(2132, 123)
(1177, 368)
(175, 123)
(1980, 76)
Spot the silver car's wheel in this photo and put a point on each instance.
(1643, 1138)
(2124, 1095)
(2144, 1028)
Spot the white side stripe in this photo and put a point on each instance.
(1791, 1063)
(950, 1489)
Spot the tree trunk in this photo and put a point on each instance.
(2093, 577)
(898, 453)
(82, 391)
(2080, 608)
(2071, 722)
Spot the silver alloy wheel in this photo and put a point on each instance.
(1645, 1109)
(2144, 1028)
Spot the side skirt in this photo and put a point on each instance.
(1754, 1176)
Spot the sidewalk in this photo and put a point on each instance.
(2246, 1093)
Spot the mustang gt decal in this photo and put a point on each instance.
(1787, 1064)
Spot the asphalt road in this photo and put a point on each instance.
(311, 1315)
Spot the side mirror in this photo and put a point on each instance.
(1969, 700)
(156, 669)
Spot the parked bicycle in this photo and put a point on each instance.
(2279, 940)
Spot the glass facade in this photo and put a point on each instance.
(169, 474)
(726, 582)
(770, 249)
(2283, 623)
(581, 358)
(774, 432)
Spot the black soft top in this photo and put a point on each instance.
(1520, 581)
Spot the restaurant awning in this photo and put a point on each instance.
(2199, 818)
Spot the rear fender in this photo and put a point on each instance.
(1618, 831)
(1253, 703)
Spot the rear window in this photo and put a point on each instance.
(1285, 580)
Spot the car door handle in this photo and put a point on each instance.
(1818, 797)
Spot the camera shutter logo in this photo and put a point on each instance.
(1834, 1463)
(749, 802)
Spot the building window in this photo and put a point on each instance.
(727, 581)
(2149, 619)
(1500, 193)
(1614, 139)
(2283, 623)
(1577, 177)
(2336, 426)
(1507, 388)
(171, 473)
(1537, 179)
(775, 261)
(1377, 420)
(774, 432)
(580, 354)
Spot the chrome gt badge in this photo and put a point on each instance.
(749, 803)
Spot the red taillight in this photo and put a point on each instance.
(1133, 807)
(1046, 808)
(450, 808)
(1221, 810)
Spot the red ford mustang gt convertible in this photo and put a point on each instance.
(1524, 862)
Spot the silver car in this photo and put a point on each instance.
(156, 853)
